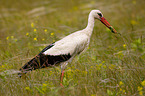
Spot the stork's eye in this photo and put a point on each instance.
(99, 14)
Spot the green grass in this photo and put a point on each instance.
(113, 65)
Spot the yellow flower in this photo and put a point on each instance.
(12, 37)
(44, 85)
(139, 88)
(45, 30)
(120, 89)
(16, 40)
(3, 66)
(10, 44)
(104, 66)
(52, 34)
(7, 37)
(35, 30)
(121, 83)
(35, 39)
(123, 91)
(92, 66)
(93, 95)
(100, 64)
(103, 61)
(32, 25)
(43, 39)
(133, 22)
(27, 34)
(124, 45)
(27, 88)
(143, 83)
(133, 2)
(140, 93)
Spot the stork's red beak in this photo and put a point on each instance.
(106, 23)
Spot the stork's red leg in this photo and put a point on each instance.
(61, 78)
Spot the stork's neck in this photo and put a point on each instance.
(90, 26)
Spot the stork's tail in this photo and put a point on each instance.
(33, 64)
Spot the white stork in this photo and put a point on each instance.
(63, 51)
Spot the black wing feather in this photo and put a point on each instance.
(46, 48)
(43, 61)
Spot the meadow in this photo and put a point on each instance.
(113, 65)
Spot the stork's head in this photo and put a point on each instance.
(98, 15)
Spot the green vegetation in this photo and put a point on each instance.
(112, 65)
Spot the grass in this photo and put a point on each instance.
(112, 65)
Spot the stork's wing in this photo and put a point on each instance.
(41, 60)
(69, 45)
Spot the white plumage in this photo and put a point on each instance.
(64, 50)
(73, 44)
